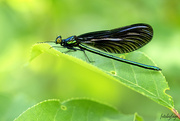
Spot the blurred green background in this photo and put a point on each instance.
(25, 22)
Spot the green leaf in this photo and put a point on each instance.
(74, 110)
(149, 83)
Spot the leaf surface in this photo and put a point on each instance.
(149, 83)
(74, 110)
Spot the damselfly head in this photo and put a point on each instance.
(58, 40)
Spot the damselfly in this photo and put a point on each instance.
(119, 40)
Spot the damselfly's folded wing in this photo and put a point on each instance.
(120, 40)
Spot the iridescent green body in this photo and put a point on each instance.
(121, 40)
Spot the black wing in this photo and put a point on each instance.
(120, 40)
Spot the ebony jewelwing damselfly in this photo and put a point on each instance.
(119, 40)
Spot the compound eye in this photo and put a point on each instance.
(58, 40)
